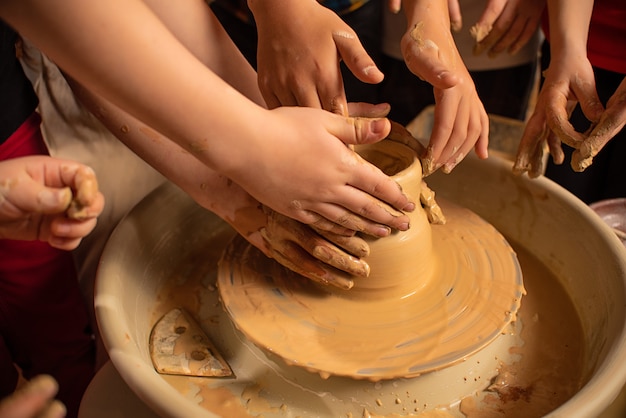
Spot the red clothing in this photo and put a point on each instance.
(607, 35)
(44, 326)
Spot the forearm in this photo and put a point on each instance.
(207, 187)
(130, 59)
(569, 26)
(196, 27)
(428, 26)
(431, 11)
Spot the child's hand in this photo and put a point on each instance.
(569, 80)
(331, 258)
(34, 399)
(611, 122)
(48, 199)
(300, 48)
(461, 122)
(324, 257)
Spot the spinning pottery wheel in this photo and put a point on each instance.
(436, 293)
(165, 254)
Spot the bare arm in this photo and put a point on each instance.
(292, 160)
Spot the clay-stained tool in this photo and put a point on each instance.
(179, 346)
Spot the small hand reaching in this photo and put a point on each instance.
(506, 25)
(569, 80)
(611, 122)
(300, 48)
(461, 122)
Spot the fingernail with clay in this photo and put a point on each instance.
(410, 207)
(378, 126)
(55, 198)
(447, 168)
(404, 226)
(382, 231)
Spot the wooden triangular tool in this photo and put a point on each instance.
(179, 346)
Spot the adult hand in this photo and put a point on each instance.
(394, 5)
(300, 47)
(322, 256)
(507, 25)
(461, 122)
(48, 199)
(569, 80)
(34, 400)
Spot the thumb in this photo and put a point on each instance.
(53, 200)
(360, 130)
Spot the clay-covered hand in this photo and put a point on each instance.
(300, 47)
(461, 122)
(307, 172)
(506, 25)
(48, 199)
(569, 80)
(324, 257)
(34, 400)
(611, 122)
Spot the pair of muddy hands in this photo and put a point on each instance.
(532, 154)
(331, 258)
(549, 127)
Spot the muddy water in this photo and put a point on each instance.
(538, 373)
(550, 369)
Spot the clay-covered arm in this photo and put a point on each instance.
(609, 121)
(429, 51)
(293, 160)
(301, 44)
(48, 199)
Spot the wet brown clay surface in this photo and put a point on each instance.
(441, 310)
(542, 372)
(435, 294)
